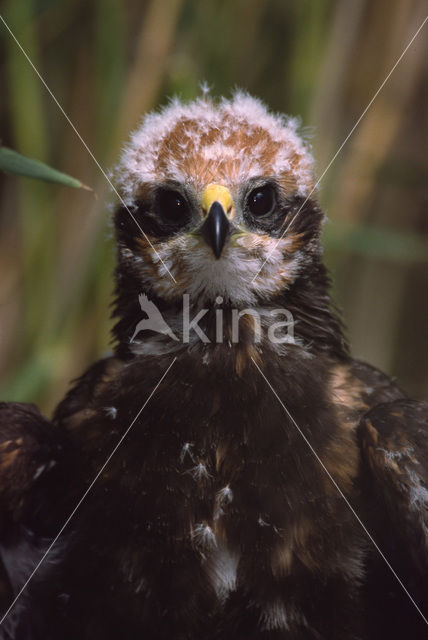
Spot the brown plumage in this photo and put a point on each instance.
(214, 518)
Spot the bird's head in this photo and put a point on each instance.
(219, 203)
(212, 188)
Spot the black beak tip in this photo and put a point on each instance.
(217, 250)
(216, 229)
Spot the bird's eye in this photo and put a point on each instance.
(172, 205)
(261, 201)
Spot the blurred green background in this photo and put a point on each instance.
(108, 61)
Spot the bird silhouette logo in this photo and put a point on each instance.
(154, 321)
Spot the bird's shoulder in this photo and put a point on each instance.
(88, 388)
(376, 387)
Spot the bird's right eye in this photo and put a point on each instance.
(172, 205)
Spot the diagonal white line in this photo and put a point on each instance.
(372, 540)
(49, 549)
(84, 143)
(343, 144)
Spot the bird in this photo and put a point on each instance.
(222, 477)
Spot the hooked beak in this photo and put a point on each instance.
(215, 230)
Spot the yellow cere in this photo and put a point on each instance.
(216, 193)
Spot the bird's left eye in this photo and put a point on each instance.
(172, 205)
(261, 201)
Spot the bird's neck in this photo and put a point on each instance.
(301, 317)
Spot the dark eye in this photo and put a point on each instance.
(261, 201)
(172, 205)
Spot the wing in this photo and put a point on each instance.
(394, 439)
(30, 449)
(41, 480)
(31, 497)
(394, 480)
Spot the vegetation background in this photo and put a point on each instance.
(108, 61)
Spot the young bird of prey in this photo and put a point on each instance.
(258, 464)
